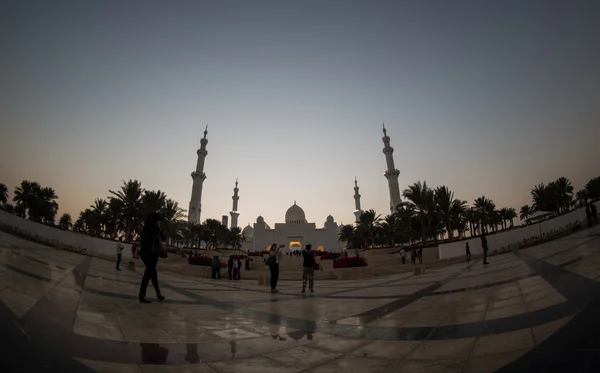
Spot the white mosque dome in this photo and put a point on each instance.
(260, 219)
(295, 214)
(330, 219)
(248, 231)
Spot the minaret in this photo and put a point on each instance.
(357, 212)
(234, 213)
(391, 174)
(198, 178)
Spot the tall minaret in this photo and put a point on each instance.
(198, 178)
(357, 212)
(391, 174)
(234, 213)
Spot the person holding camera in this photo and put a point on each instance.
(273, 263)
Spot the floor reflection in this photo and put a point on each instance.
(153, 353)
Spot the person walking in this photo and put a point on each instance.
(308, 268)
(273, 263)
(468, 251)
(403, 255)
(150, 234)
(484, 245)
(120, 248)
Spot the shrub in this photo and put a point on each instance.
(330, 256)
(200, 260)
(349, 262)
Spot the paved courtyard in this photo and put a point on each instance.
(538, 309)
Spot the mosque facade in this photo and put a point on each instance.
(296, 232)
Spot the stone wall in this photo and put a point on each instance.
(511, 237)
(57, 237)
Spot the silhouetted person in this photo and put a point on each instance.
(120, 248)
(150, 235)
(468, 251)
(216, 266)
(236, 269)
(484, 245)
(230, 268)
(247, 260)
(308, 268)
(594, 213)
(273, 262)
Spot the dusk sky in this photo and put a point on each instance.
(487, 97)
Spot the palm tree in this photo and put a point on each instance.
(388, 226)
(346, 234)
(368, 220)
(24, 196)
(113, 218)
(404, 221)
(458, 218)
(503, 213)
(581, 197)
(97, 217)
(448, 208)
(422, 199)
(565, 192)
(593, 188)
(3, 193)
(172, 213)
(42, 207)
(130, 197)
(511, 215)
(153, 201)
(213, 233)
(473, 219)
(64, 222)
(485, 207)
(526, 212)
(236, 237)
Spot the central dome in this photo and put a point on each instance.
(295, 214)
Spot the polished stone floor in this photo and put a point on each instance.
(538, 309)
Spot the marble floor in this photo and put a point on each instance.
(535, 309)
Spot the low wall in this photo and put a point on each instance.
(512, 236)
(76, 240)
(354, 273)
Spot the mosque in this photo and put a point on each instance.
(295, 232)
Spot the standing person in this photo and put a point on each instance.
(420, 254)
(236, 269)
(273, 262)
(468, 250)
(150, 234)
(484, 245)
(413, 256)
(403, 255)
(594, 212)
(216, 265)
(120, 248)
(308, 268)
(247, 260)
(230, 268)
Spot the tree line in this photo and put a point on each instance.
(430, 214)
(121, 213)
(427, 214)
